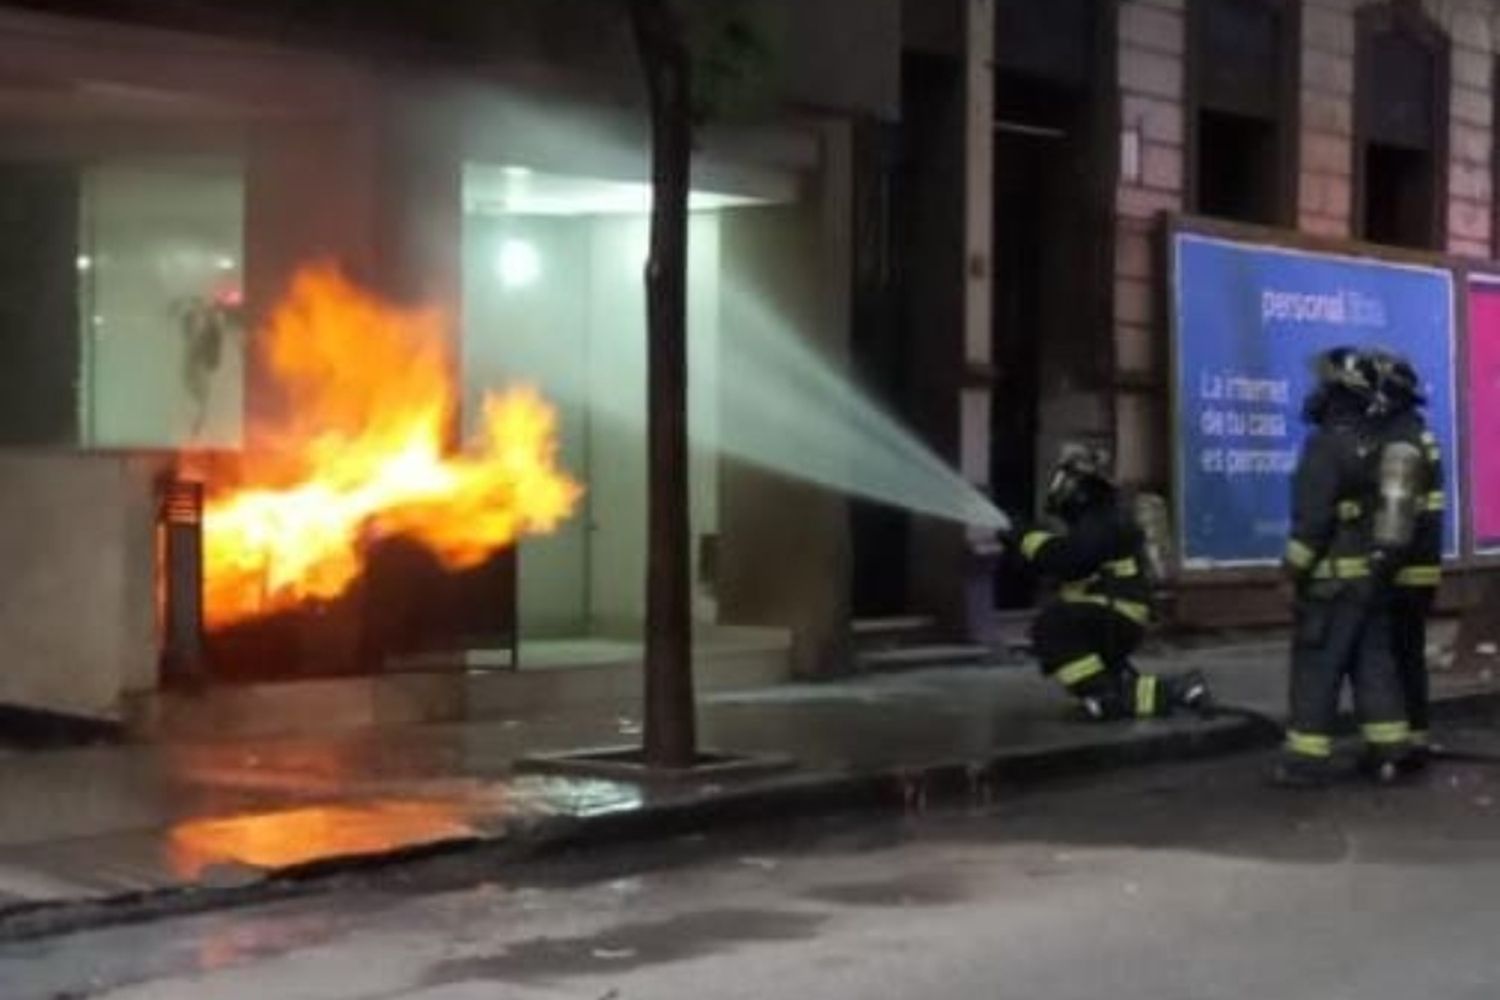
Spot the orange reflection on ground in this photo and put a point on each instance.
(315, 833)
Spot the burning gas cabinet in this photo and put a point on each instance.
(404, 611)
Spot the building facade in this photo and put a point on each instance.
(960, 205)
(489, 161)
(1064, 138)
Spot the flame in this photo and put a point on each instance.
(360, 453)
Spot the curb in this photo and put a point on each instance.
(806, 795)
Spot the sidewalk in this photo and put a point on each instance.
(88, 833)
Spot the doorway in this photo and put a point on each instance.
(1042, 277)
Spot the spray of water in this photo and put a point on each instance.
(787, 409)
(760, 392)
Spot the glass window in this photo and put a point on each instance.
(1402, 116)
(160, 264)
(554, 297)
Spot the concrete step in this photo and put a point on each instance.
(878, 634)
(918, 657)
(478, 685)
(1010, 632)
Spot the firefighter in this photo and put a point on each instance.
(1085, 635)
(1413, 507)
(1342, 618)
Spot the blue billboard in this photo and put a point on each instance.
(1249, 320)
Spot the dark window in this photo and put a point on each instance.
(1243, 88)
(1398, 196)
(1402, 121)
(1238, 167)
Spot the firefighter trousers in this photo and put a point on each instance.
(1343, 630)
(1410, 608)
(1086, 648)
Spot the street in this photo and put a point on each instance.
(1188, 881)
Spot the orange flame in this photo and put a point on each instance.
(360, 455)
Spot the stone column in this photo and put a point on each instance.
(1326, 163)
(976, 388)
(1152, 43)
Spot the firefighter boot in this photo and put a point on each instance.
(1388, 765)
(1189, 690)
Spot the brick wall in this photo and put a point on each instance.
(1152, 39)
(1471, 25)
(1325, 191)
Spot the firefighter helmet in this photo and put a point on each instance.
(1396, 380)
(1341, 373)
(1350, 370)
(1079, 477)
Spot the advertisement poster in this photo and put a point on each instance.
(1484, 412)
(1250, 319)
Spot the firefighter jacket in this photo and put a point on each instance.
(1333, 495)
(1099, 560)
(1421, 566)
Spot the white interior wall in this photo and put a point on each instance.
(576, 329)
(536, 332)
(617, 394)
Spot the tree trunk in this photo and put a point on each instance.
(670, 740)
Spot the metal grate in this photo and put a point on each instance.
(180, 548)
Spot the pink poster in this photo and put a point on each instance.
(1484, 411)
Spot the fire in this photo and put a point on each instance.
(361, 453)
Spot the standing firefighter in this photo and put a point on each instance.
(1409, 529)
(1342, 615)
(1085, 635)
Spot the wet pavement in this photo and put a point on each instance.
(103, 823)
(1180, 882)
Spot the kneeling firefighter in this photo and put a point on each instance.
(1342, 612)
(1409, 529)
(1085, 635)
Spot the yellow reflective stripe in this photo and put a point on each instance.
(1145, 696)
(1077, 590)
(1353, 568)
(1309, 744)
(1420, 738)
(1033, 542)
(1385, 733)
(1420, 576)
(1123, 568)
(1070, 674)
(1299, 555)
(1348, 569)
(1437, 502)
(1350, 510)
(1434, 454)
(1138, 613)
